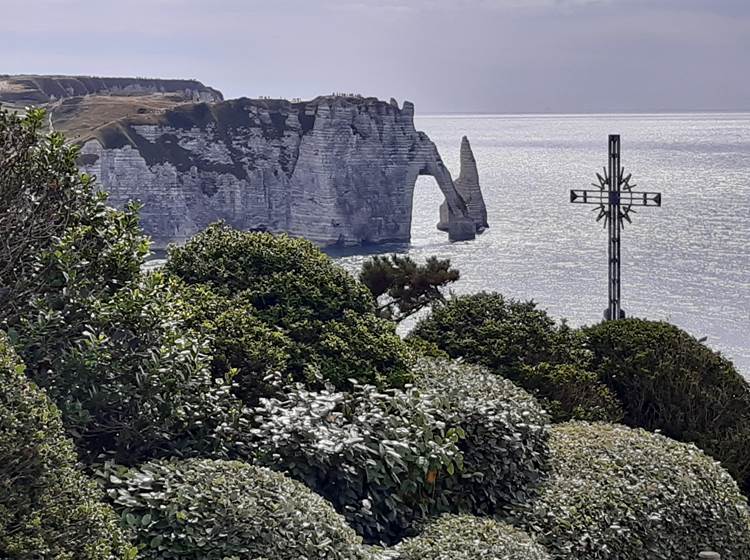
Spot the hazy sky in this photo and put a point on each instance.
(445, 55)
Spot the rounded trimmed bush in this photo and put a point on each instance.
(504, 443)
(275, 269)
(211, 510)
(297, 291)
(667, 380)
(464, 537)
(569, 392)
(48, 508)
(461, 440)
(379, 457)
(502, 334)
(522, 343)
(628, 494)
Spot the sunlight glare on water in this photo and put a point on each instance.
(687, 262)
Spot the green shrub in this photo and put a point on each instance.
(625, 494)
(462, 440)
(379, 457)
(48, 509)
(363, 347)
(504, 446)
(57, 231)
(239, 341)
(669, 381)
(277, 271)
(569, 392)
(132, 381)
(214, 510)
(499, 333)
(424, 349)
(60, 240)
(296, 290)
(470, 538)
(522, 343)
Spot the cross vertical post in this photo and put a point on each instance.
(614, 200)
(615, 227)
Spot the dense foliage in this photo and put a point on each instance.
(133, 382)
(241, 344)
(279, 271)
(499, 333)
(521, 342)
(214, 510)
(463, 440)
(504, 443)
(669, 381)
(616, 493)
(60, 241)
(569, 392)
(48, 509)
(463, 537)
(379, 457)
(297, 290)
(402, 287)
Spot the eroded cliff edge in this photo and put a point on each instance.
(336, 170)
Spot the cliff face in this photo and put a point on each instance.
(336, 170)
(38, 90)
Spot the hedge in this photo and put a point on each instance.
(48, 508)
(669, 381)
(470, 538)
(212, 510)
(618, 493)
(295, 290)
(504, 443)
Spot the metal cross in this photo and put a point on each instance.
(615, 201)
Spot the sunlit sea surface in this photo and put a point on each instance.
(687, 262)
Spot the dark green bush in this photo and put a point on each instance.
(379, 457)
(363, 347)
(276, 270)
(239, 341)
(215, 510)
(569, 392)
(625, 494)
(298, 291)
(60, 240)
(132, 381)
(522, 343)
(48, 509)
(504, 442)
(499, 333)
(462, 440)
(668, 381)
(464, 537)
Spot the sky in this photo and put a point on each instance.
(447, 56)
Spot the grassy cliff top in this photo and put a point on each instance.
(42, 89)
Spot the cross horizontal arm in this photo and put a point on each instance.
(618, 198)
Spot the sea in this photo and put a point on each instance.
(687, 262)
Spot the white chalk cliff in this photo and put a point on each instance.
(336, 170)
(468, 188)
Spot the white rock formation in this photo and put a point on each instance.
(336, 170)
(468, 187)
